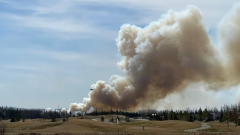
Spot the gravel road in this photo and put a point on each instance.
(203, 126)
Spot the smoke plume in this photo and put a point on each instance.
(165, 57)
(229, 38)
(63, 110)
(49, 109)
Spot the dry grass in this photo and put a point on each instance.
(202, 133)
(87, 125)
(16, 127)
(222, 127)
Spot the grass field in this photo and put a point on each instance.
(92, 124)
(222, 127)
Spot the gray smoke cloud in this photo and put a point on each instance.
(165, 57)
(229, 38)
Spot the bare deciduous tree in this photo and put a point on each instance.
(3, 126)
(235, 116)
(227, 112)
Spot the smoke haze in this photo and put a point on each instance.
(166, 57)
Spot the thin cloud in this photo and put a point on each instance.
(64, 27)
(57, 55)
(71, 71)
(17, 67)
(4, 1)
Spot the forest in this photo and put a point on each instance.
(224, 114)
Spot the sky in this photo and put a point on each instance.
(51, 51)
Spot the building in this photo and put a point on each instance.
(212, 116)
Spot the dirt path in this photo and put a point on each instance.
(95, 119)
(203, 126)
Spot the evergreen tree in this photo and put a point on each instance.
(186, 116)
(180, 115)
(221, 115)
(170, 115)
(191, 117)
(205, 115)
(53, 119)
(199, 115)
(18, 118)
(174, 116)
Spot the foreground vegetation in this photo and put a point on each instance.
(15, 120)
(94, 125)
(225, 114)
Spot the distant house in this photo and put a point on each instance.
(195, 116)
(212, 116)
(162, 117)
(238, 115)
(218, 116)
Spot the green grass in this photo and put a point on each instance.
(209, 130)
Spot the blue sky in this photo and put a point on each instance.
(53, 50)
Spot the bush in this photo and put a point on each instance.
(12, 120)
(18, 118)
(53, 119)
(102, 118)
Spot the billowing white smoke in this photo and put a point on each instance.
(76, 107)
(48, 109)
(166, 56)
(64, 110)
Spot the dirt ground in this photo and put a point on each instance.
(93, 124)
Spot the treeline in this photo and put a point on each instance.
(117, 112)
(225, 114)
(152, 114)
(17, 114)
(186, 115)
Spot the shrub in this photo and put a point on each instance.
(12, 120)
(102, 118)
